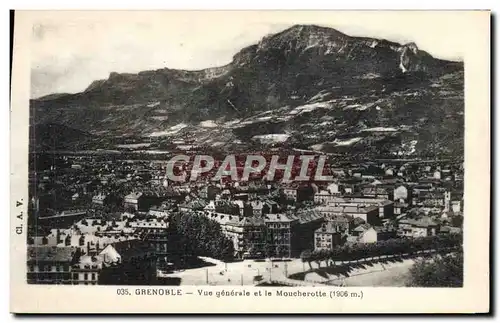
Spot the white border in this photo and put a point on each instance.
(96, 4)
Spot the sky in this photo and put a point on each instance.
(69, 50)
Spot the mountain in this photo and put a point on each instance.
(53, 136)
(307, 87)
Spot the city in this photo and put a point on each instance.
(96, 221)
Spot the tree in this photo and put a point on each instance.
(269, 250)
(305, 256)
(195, 235)
(440, 271)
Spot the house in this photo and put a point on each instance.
(433, 199)
(369, 214)
(50, 264)
(131, 202)
(368, 236)
(241, 206)
(279, 237)
(257, 207)
(128, 263)
(377, 192)
(87, 270)
(366, 233)
(323, 197)
(248, 235)
(270, 206)
(159, 212)
(386, 207)
(423, 227)
(308, 221)
(334, 189)
(449, 230)
(400, 208)
(327, 237)
(340, 222)
(154, 232)
(100, 199)
(210, 207)
(456, 206)
(290, 192)
(401, 194)
(359, 231)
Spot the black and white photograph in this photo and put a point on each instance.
(112, 203)
(182, 150)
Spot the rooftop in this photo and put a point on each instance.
(49, 253)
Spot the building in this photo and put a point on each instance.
(340, 222)
(154, 232)
(456, 206)
(366, 234)
(279, 237)
(50, 264)
(257, 207)
(290, 192)
(377, 192)
(400, 208)
(100, 199)
(401, 194)
(423, 227)
(128, 263)
(87, 270)
(132, 201)
(335, 189)
(160, 212)
(386, 207)
(248, 235)
(324, 197)
(308, 221)
(327, 237)
(433, 199)
(369, 214)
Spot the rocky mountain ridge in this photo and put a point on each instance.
(308, 87)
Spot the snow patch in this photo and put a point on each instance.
(208, 124)
(138, 145)
(317, 147)
(154, 104)
(172, 130)
(401, 65)
(380, 129)
(309, 107)
(232, 122)
(347, 142)
(271, 138)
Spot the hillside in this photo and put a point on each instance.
(307, 87)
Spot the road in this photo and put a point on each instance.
(237, 273)
(243, 273)
(390, 275)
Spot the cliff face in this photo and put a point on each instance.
(382, 82)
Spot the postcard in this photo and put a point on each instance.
(250, 162)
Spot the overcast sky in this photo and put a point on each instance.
(70, 50)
